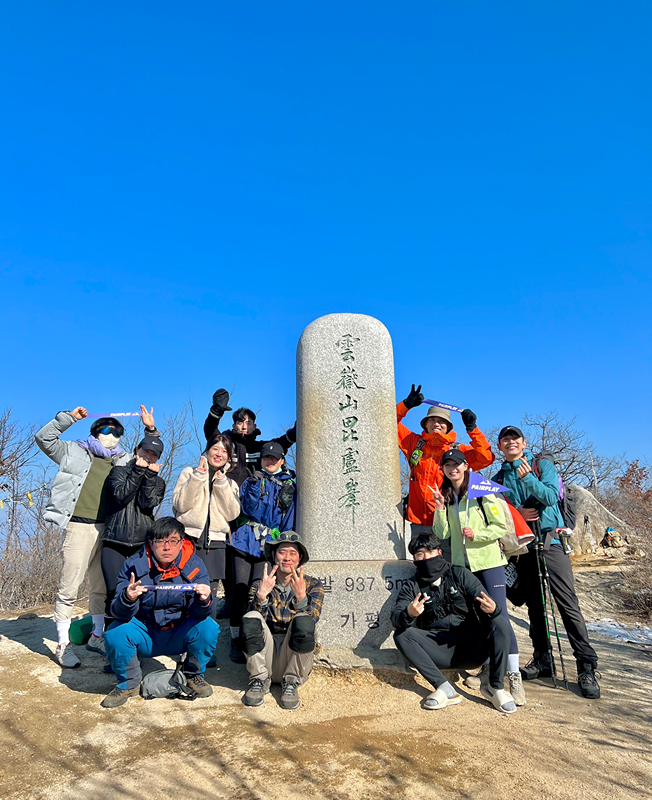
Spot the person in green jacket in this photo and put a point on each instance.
(475, 545)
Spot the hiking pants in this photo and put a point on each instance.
(563, 592)
(81, 554)
(126, 642)
(277, 655)
(460, 648)
(112, 557)
(246, 570)
(493, 580)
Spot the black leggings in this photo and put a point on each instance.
(112, 558)
(463, 648)
(246, 570)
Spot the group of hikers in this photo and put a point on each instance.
(153, 582)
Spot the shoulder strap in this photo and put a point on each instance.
(484, 513)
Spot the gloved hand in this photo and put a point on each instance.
(220, 403)
(414, 399)
(258, 475)
(285, 496)
(291, 433)
(469, 419)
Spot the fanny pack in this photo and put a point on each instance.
(168, 683)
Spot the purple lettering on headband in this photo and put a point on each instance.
(173, 587)
(115, 414)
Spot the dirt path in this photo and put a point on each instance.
(356, 735)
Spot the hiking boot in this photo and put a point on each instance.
(256, 691)
(476, 681)
(290, 696)
(118, 697)
(199, 685)
(539, 666)
(237, 656)
(516, 688)
(587, 681)
(96, 644)
(65, 656)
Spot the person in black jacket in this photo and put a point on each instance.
(133, 492)
(244, 435)
(444, 620)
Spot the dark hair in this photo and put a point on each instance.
(164, 527)
(424, 541)
(220, 438)
(448, 491)
(240, 413)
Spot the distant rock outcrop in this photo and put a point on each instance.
(599, 519)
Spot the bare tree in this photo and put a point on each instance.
(17, 448)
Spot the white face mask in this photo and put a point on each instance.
(108, 440)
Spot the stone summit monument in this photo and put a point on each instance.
(348, 469)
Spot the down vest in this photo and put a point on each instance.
(191, 498)
(74, 465)
(133, 493)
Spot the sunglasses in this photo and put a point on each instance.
(284, 537)
(108, 429)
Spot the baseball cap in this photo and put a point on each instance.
(510, 429)
(152, 443)
(272, 449)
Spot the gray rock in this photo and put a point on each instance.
(347, 455)
(599, 519)
(358, 599)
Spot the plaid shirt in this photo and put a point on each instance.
(279, 609)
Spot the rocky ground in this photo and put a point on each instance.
(357, 734)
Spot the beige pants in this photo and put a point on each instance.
(276, 659)
(82, 547)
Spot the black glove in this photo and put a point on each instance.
(285, 496)
(469, 419)
(414, 399)
(220, 402)
(291, 433)
(257, 475)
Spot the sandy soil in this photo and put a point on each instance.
(357, 734)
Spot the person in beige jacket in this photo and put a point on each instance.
(205, 500)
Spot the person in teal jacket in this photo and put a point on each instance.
(534, 489)
(475, 544)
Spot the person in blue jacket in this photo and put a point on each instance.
(154, 619)
(534, 490)
(268, 502)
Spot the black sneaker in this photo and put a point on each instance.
(199, 685)
(290, 696)
(237, 656)
(539, 666)
(587, 681)
(256, 691)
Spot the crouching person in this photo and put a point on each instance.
(152, 619)
(444, 620)
(279, 628)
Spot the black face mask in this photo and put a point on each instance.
(429, 569)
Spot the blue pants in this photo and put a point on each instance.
(493, 580)
(126, 642)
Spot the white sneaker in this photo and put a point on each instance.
(96, 644)
(476, 681)
(66, 657)
(516, 688)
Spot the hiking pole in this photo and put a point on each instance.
(538, 545)
(546, 576)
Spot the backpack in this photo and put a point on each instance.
(566, 500)
(168, 683)
(519, 535)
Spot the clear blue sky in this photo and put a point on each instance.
(186, 186)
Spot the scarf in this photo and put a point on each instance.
(97, 449)
(430, 569)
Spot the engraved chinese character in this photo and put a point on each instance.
(349, 379)
(349, 461)
(349, 500)
(349, 431)
(347, 341)
(350, 403)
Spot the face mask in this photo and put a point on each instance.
(431, 568)
(276, 472)
(108, 440)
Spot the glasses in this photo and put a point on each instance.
(419, 555)
(172, 542)
(284, 537)
(108, 429)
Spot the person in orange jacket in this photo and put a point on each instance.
(424, 451)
